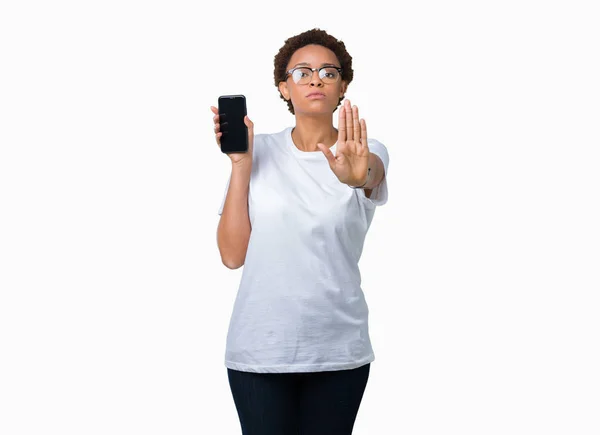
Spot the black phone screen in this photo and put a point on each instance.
(232, 110)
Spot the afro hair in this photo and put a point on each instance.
(313, 36)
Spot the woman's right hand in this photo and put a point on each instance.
(235, 157)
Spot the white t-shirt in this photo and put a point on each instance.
(300, 306)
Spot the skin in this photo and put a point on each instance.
(314, 128)
(314, 117)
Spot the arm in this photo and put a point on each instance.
(233, 232)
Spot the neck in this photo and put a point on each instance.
(310, 130)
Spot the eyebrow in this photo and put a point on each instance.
(323, 64)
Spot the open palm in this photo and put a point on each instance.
(351, 161)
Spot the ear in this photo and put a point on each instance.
(284, 90)
(343, 89)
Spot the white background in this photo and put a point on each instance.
(481, 272)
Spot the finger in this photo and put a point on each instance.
(218, 137)
(249, 124)
(328, 154)
(356, 124)
(363, 132)
(348, 111)
(217, 127)
(216, 118)
(342, 126)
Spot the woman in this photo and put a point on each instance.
(295, 213)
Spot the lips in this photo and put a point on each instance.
(316, 93)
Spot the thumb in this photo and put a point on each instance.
(248, 123)
(328, 154)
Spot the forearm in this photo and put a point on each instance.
(233, 232)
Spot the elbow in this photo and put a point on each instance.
(232, 264)
(231, 258)
(232, 247)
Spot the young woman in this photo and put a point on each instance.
(295, 213)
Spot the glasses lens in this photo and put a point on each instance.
(302, 76)
(329, 75)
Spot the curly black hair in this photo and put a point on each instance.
(313, 36)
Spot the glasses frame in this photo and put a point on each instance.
(312, 71)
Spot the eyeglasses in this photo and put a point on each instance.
(303, 75)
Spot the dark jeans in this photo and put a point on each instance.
(315, 403)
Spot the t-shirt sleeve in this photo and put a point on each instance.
(224, 195)
(379, 195)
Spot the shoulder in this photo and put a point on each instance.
(279, 136)
(266, 140)
(376, 144)
(259, 138)
(378, 148)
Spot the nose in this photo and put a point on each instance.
(315, 80)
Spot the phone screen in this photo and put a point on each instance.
(232, 110)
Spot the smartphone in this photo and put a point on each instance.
(232, 110)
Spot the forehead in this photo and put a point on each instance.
(313, 55)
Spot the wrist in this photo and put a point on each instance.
(242, 164)
(362, 186)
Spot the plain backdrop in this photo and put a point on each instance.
(481, 272)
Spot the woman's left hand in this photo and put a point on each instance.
(351, 162)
